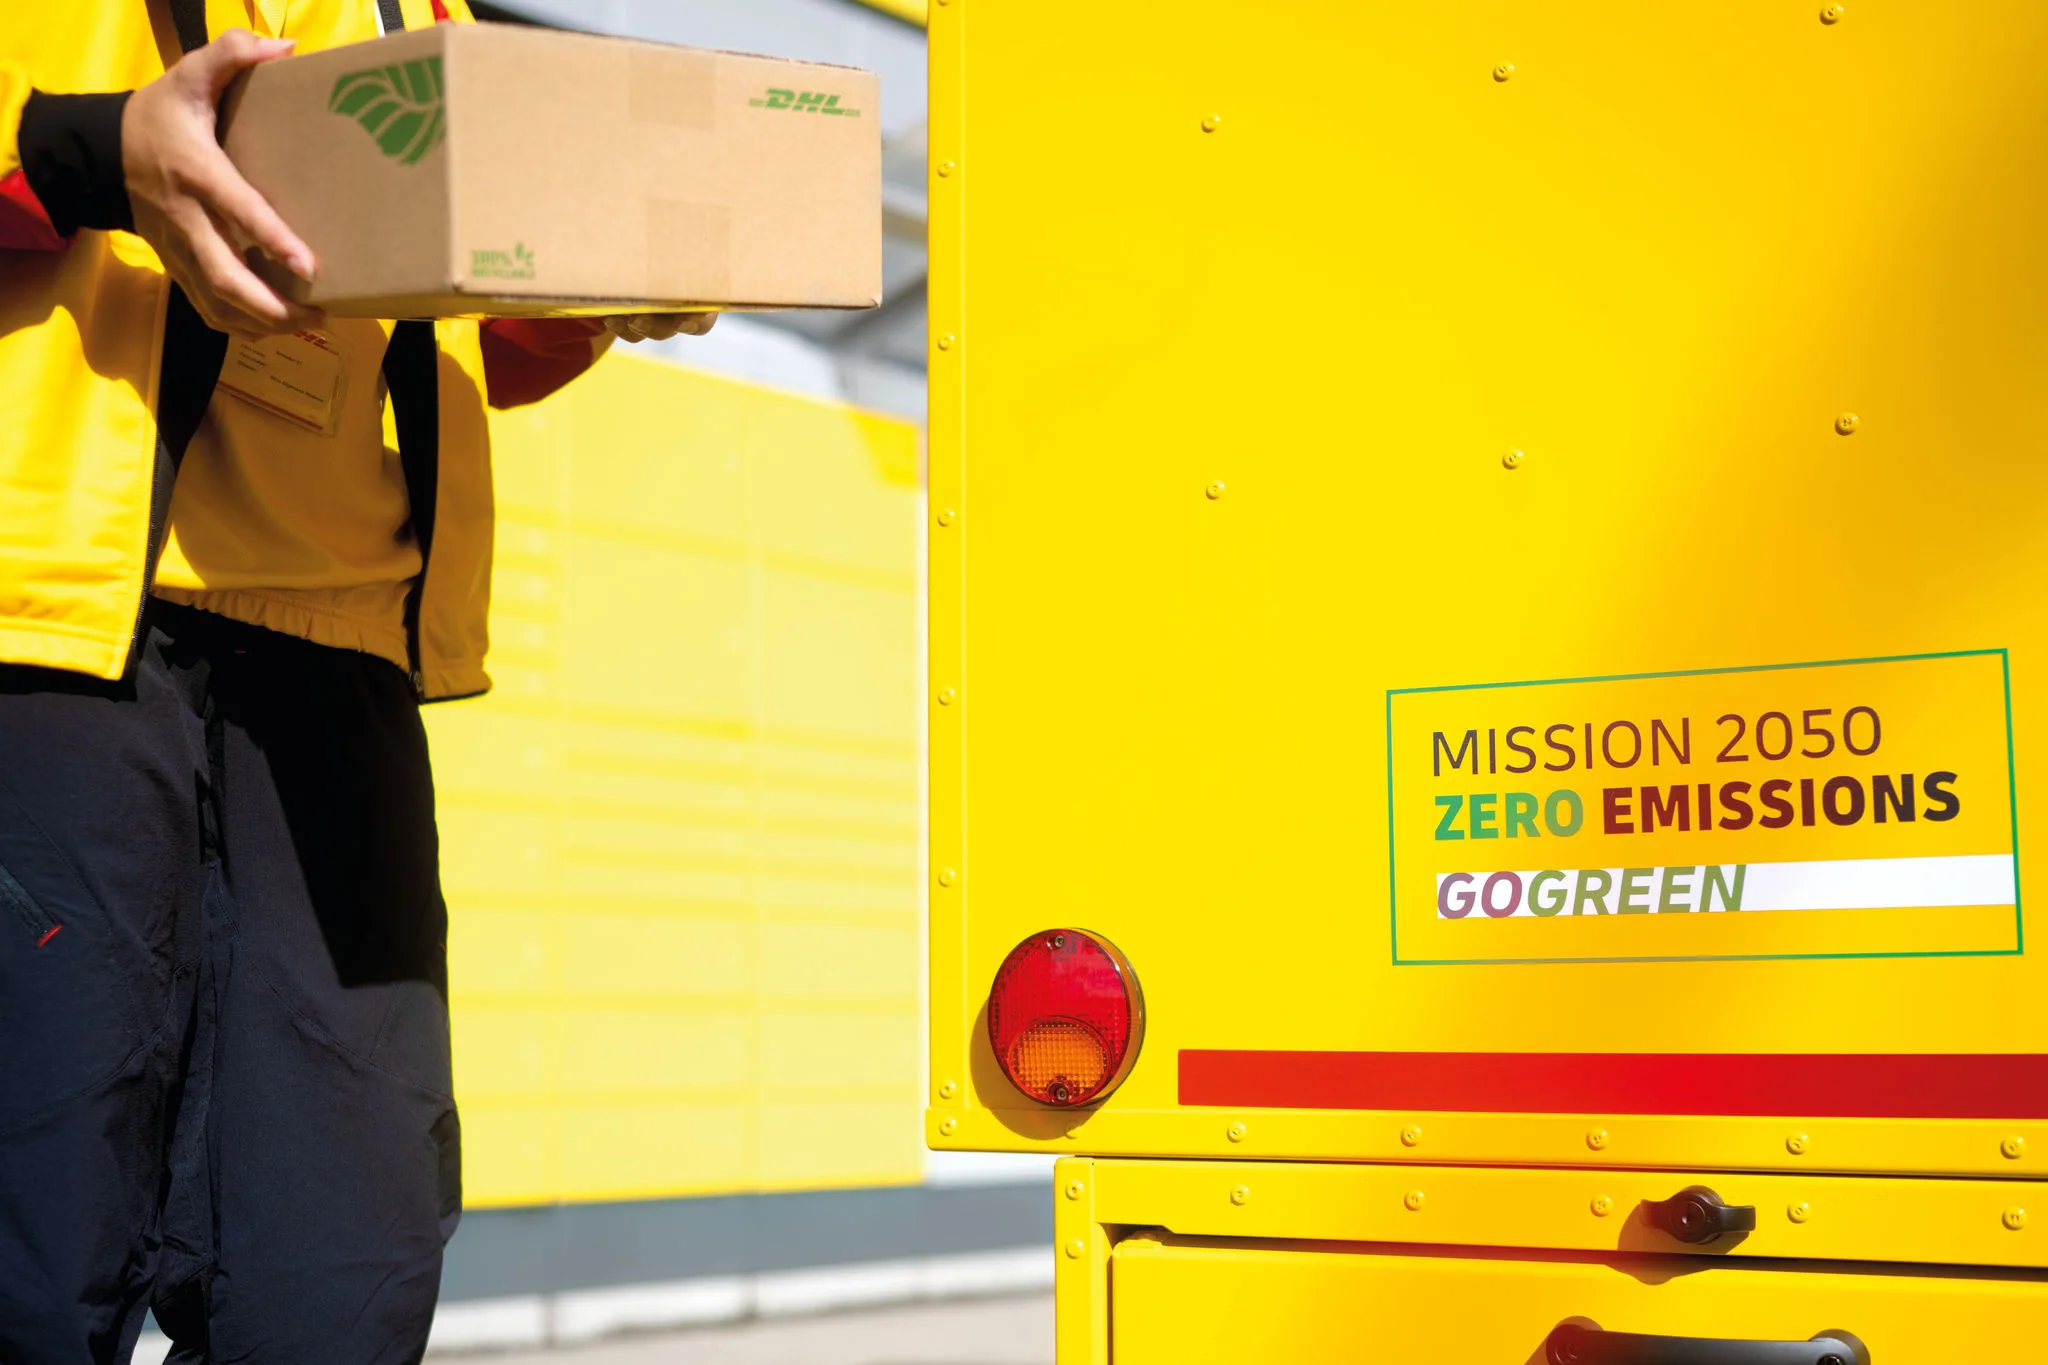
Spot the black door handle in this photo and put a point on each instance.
(1584, 1344)
(1696, 1214)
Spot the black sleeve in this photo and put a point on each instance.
(71, 156)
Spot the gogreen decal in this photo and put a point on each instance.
(1879, 789)
(398, 105)
(1845, 884)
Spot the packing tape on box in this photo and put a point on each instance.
(677, 89)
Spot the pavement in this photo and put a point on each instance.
(1014, 1330)
(1005, 1331)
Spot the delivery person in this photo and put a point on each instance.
(224, 1074)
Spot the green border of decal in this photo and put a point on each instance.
(2018, 949)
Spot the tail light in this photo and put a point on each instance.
(1066, 1017)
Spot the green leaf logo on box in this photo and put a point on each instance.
(399, 106)
(804, 102)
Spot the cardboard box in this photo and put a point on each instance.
(497, 170)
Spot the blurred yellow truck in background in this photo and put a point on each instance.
(680, 837)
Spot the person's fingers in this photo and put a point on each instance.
(217, 185)
(685, 324)
(233, 283)
(229, 55)
(638, 327)
(223, 274)
(180, 266)
(221, 316)
(655, 326)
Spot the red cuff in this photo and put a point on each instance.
(24, 223)
(526, 359)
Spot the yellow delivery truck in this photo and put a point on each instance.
(1489, 612)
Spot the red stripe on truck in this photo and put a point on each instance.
(1807, 1085)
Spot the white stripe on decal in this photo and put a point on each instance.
(1841, 884)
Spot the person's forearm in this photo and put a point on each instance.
(150, 162)
(70, 150)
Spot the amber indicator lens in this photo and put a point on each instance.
(1065, 1017)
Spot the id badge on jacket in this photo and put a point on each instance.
(300, 377)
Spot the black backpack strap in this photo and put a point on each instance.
(412, 370)
(189, 18)
(192, 356)
(193, 352)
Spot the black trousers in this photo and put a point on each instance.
(224, 1082)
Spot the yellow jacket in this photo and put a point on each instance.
(83, 482)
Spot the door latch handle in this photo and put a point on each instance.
(1696, 1214)
(1581, 1343)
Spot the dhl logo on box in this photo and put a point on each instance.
(1536, 821)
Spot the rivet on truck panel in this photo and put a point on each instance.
(946, 515)
(1241, 1196)
(1412, 1201)
(1602, 1205)
(1075, 1249)
(1799, 1212)
(947, 876)
(1236, 1132)
(946, 696)
(2015, 1218)
(947, 1090)
(1212, 123)
(1796, 1144)
(1847, 423)
(1512, 460)
(948, 1127)
(1597, 1139)
(2013, 1148)
(1075, 1189)
(1832, 14)
(946, 169)
(947, 341)
(1504, 71)
(1214, 490)
(1411, 1136)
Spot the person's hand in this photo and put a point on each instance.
(194, 207)
(639, 327)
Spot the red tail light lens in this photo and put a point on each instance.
(1066, 1017)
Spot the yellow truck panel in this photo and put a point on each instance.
(1195, 1260)
(1514, 601)
(1490, 550)
(1838, 1218)
(1190, 1303)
